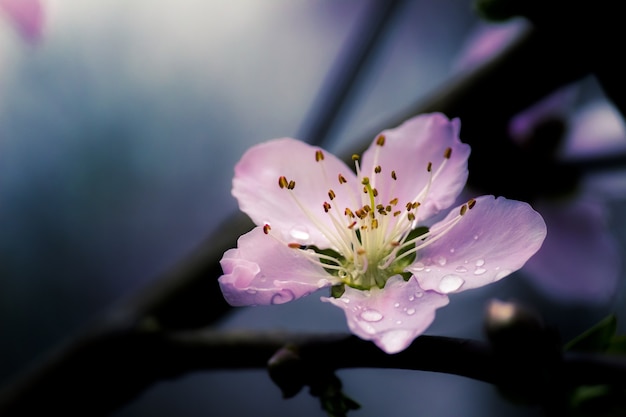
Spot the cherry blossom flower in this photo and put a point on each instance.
(578, 223)
(371, 234)
(26, 16)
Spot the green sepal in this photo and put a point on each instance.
(337, 291)
(415, 233)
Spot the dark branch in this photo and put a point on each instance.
(126, 362)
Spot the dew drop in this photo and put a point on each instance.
(396, 305)
(371, 315)
(419, 294)
(427, 270)
(398, 321)
(450, 283)
(251, 292)
(452, 250)
(461, 269)
(345, 300)
(479, 271)
(418, 266)
(411, 297)
(475, 237)
(441, 260)
(300, 234)
(410, 311)
(480, 262)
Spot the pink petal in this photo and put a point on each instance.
(579, 260)
(492, 240)
(408, 149)
(255, 187)
(263, 271)
(392, 317)
(487, 41)
(26, 15)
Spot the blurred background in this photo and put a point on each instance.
(120, 124)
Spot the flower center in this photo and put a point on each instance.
(372, 239)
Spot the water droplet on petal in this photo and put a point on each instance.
(345, 300)
(398, 321)
(427, 270)
(251, 292)
(410, 311)
(411, 297)
(451, 250)
(461, 269)
(371, 315)
(479, 271)
(480, 262)
(396, 305)
(450, 283)
(300, 234)
(441, 260)
(418, 266)
(475, 237)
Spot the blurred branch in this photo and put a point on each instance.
(129, 361)
(347, 71)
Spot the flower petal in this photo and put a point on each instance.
(26, 15)
(263, 271)
(492, 240)
(408, 149)
(391, 317)
(255, 187)
(589, 264)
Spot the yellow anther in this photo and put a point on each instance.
(471, 203)
(365, 181)
(374, 223)
(348, 212)
(319, 155)
(463, 209)
(367, 208)
(291, 185)
(360, 251)
(294, 245)
(411, 216)
(377, 169)
(375, 192)
(393, 201)
(352, 225)
(396, 213)
(326, 206)
(429, 167)
(282, 181)
(447, 153)
(393, 175)
(355, 157)
(342, 179)
(331, 194)
(266, 228)
(380, 140)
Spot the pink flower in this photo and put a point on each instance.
(370, 235)
(589, 267)
(26, 15)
